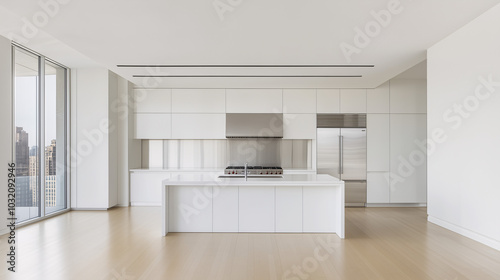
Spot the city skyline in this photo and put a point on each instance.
(27, 170)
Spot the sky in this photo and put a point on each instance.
(26, 107)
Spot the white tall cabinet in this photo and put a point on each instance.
(378, 158)
(395, 122)
(408, 158)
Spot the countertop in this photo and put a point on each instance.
(287, 180)
(189, 169)
(199, 169)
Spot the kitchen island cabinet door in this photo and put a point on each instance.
(319, 206)
(145, 188)
(256, 209)
(289, 209)
(190, 209)
(225, 209)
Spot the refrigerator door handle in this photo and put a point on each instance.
(341, 158)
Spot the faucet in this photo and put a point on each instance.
(246, 172)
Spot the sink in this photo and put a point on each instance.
(250, 176)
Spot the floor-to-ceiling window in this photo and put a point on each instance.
(40, 94)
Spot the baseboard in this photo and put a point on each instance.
(495, 244)
(396, 205)
(122, 205)
(89, 209)
(145, 204)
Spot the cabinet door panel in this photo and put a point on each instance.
(153, 100)
(153, 126)
(256, 209)
(198, 101)
(225, 209)
(190, 209)
(408, 96)
(319, 208)
(299, 126)
(408, 159)
(328, 101)
(377, 99)
(254, 101)
(288, 209)
(145, 188)
(198, 126)
(378, 142)
(353, 100)
(299, 101)
(378, 187)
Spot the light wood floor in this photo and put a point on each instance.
(126, 244)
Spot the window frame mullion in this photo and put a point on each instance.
(41, 140)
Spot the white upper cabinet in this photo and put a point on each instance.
(198, 101)
(328, 101)
(153, 100)
(254, 101)
(353, 100)
(377, 99)
(198, 126)
(408, 96)
(299, 126)
(299, 101)
(378, 142)
(153, 126)
(408, 158)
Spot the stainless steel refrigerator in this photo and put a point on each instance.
(341, 152)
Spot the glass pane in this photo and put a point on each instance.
(26, 120)
(55, 140)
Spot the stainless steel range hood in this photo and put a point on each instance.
(243, 125)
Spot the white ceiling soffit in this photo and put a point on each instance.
(392, 35)
(418, 71)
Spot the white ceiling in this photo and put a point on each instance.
(286, 32)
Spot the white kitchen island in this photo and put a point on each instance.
(309, 203)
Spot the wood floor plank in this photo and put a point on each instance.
(126, 243)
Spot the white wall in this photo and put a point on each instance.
(464, 188)
(5, 124)
(92, 174)
(114, 142)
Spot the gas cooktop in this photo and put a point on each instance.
(254, 170)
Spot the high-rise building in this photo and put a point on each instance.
(33, 173)
(27, 172)
(50, 159)
(23, 194)
(22, 152)
(50, 175)
(50, 191)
